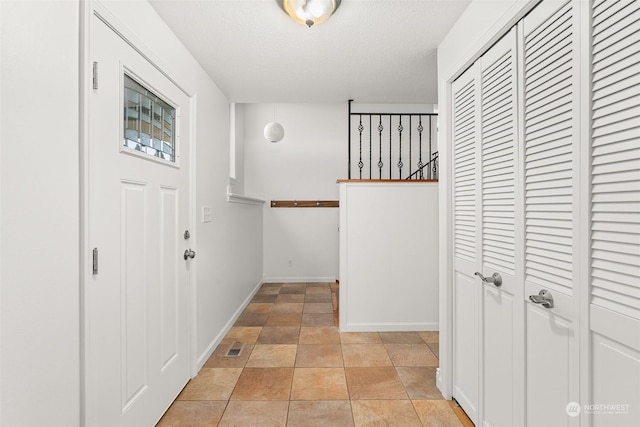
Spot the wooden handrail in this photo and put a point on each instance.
(305, 203)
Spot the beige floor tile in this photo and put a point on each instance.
(252, 319)
(365, 355)
(420, 382)
(318, 290)
(247, 335)
(322, 413)
(430, 337)
(255, 413)
(385, 413)
(290, 298)
(258, 307)
(270, 298)
(288, 307)
(317, 319)
(411, 355)
(360, 338)
(279, 335)
(194, 414)
(435, 348)
(319, 335)
(436, 413)
(263, 384)
(219, 358)
(272, 356)
(319, 384)
(292, 290)
(269, 291)
(374, 383)
(284, 319)
(401, 338)
(318, 307)
(211, 384)
(319, 356)
(315, 298)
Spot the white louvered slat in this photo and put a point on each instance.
(615, 191)
(548, 153)
(498, 140)
(464, 190)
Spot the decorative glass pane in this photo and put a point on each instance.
(149, 122)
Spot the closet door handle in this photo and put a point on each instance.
(496, 278)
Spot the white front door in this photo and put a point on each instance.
(137, 336)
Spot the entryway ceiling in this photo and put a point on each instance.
(369, 50)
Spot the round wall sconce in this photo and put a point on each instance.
(273, 132)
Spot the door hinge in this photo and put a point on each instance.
(95, 75)
(95, 261)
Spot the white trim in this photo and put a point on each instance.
(245, 200)
(202, 359)
(390, 327)
(298, 279)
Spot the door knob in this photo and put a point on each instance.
(188, 253)
(496, 278)
(544, 297)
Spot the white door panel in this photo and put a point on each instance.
(137, 334)
(467, 293)
(498, 224)
(550, 342)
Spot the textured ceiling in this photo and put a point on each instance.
(369, 50)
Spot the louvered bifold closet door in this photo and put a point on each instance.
(498, 147)
(550, 182)
(615, 209)
(466, 293)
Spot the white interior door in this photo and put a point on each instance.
(550, 182)
(502, 313)
(466, 292)
(137, 358)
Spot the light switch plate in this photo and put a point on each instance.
(207, 215)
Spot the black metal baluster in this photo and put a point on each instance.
(370, 177)
(430, 156)
(410, 143)
(349, 143)
(420, 164)
(390, 145)
(380, 164)
(400, 164)
(360, 129)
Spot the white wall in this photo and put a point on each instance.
(39, 221)
(304, 166)
(388, 256)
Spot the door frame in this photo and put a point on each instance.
(88, 10)
(582, 129)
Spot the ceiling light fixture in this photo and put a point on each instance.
(273, 131)
(309, 12)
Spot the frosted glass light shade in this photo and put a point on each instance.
(309, 12)
(273, 132)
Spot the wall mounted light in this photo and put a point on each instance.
(273, 132)
(309, 12)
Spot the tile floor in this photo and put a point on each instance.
(296, 369)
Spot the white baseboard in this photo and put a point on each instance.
(202, 359)
(298, 279)
(391, 327)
